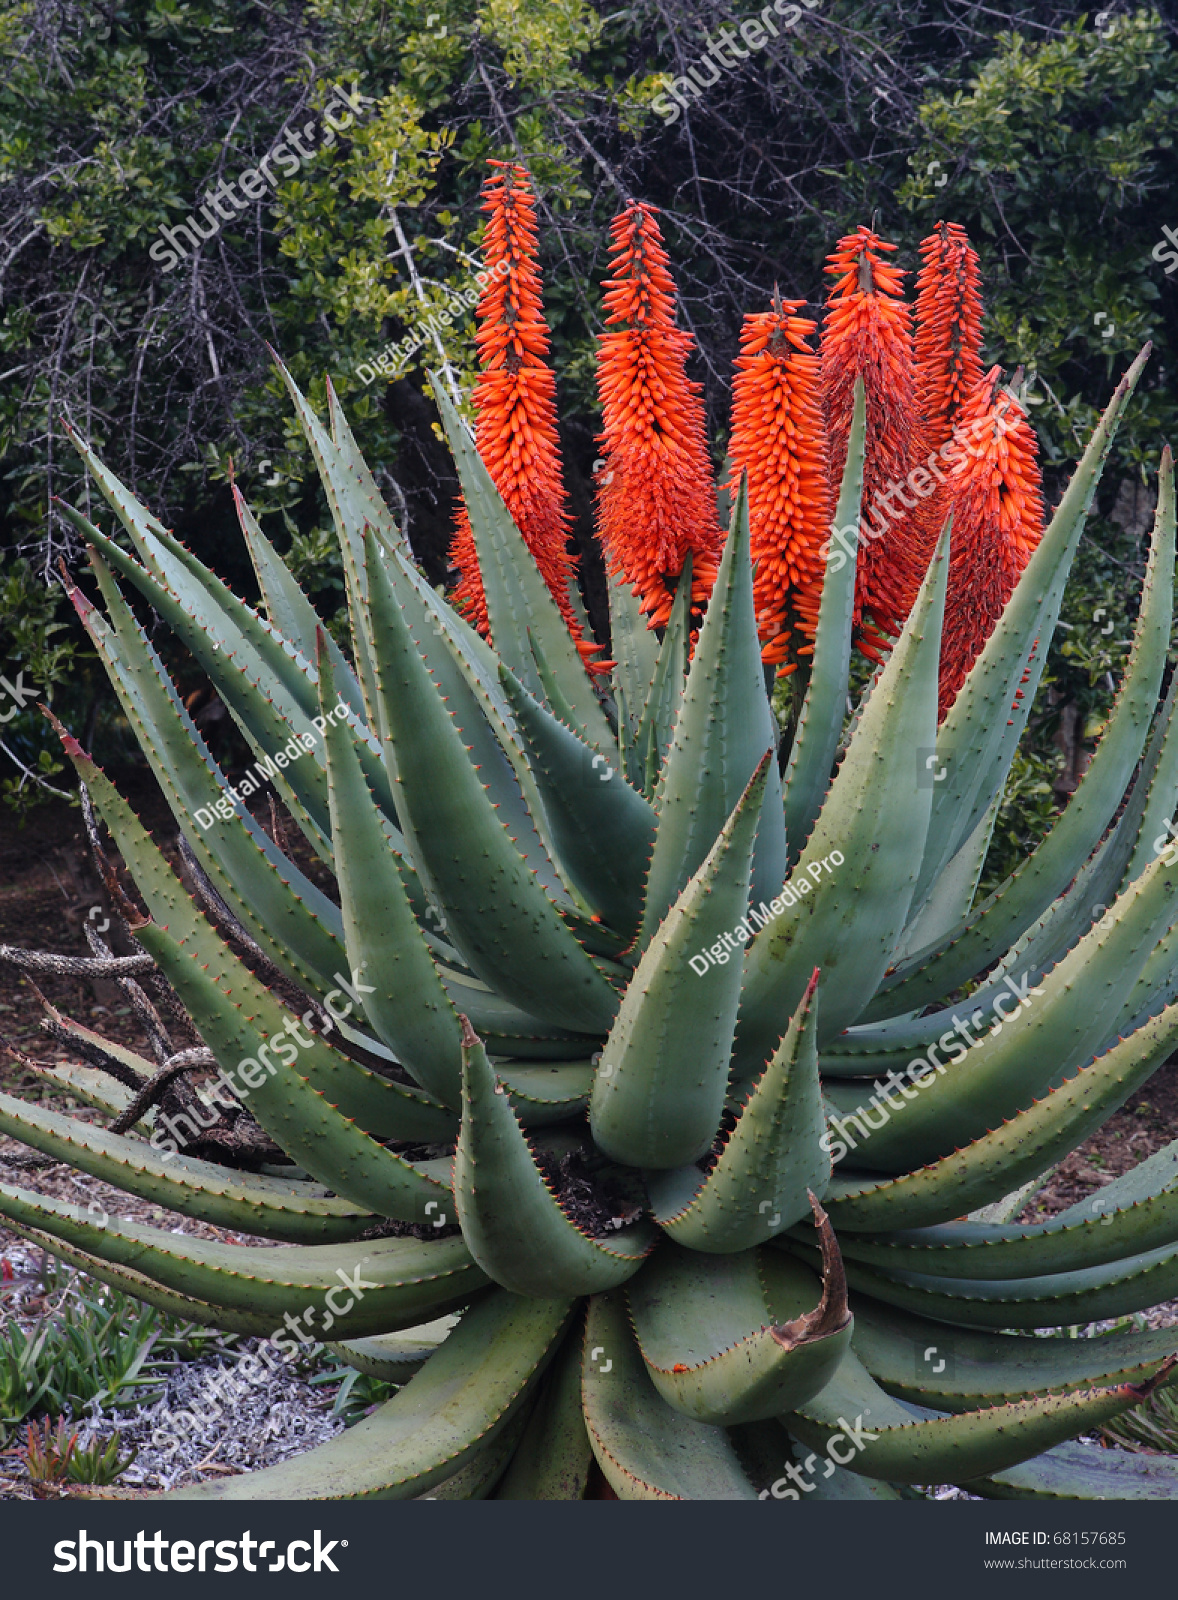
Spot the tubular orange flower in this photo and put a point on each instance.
(656, 500)
(779, 440)
(515, 404)
(948, 329)
(868, 334)
(468, 595)
(996, 493)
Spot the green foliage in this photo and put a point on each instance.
(1058, 155)
(54, 1457)
(35, 640)
(358, 1392)
(1153, 1425)
(100, 1346)
(31, 626)
(101, 1462)
(1056, 141)
(1028, 809)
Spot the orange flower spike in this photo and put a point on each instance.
(996, 493)
(778, 439)
(468, 595)
(868, 334)
(515, 404)
(656, 499)
(948, 329)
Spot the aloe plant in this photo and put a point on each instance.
(596, 1053)
(53, 1457)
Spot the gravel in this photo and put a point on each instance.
(270, 1419)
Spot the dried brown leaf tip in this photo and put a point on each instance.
(1144, 1390)
(832, 1313)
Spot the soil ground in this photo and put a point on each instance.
(49, 890)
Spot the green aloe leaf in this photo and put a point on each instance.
(171, 570)
(476, 1478)
(519, 605)
(497, 915)
(658, 1094)
(92, 1084)
(386, 1107)
(1134, 1213)
(769, 1162)
(956, 1369)
(409, 1008)
(602, 830)
(821, 1477)
(476, 704)
(646, 1449)
(542, 1092)
(362, 1287)
(867, 1051)
(714, 1341)
(1024, 1147)
(896, 1444)
(1053, 864)
(185, 1308)
(310, 1111)
(553, 1459)
(467, 1391)
(635, 647)
(261, 885)
(270, 719)
(976, 743)
(395, 1357)
(268, 686)
(351, 511)
(1122, 857)
(953, 894)
(274, 1208)
(723, 729)
(507, 1030)
(864, 857)
(513, 1223)
(816, 740)
(664, 698)
(1076, 1471)
(1058, 1299)
(360, 485)
(287, 607)
(1031, 1041)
